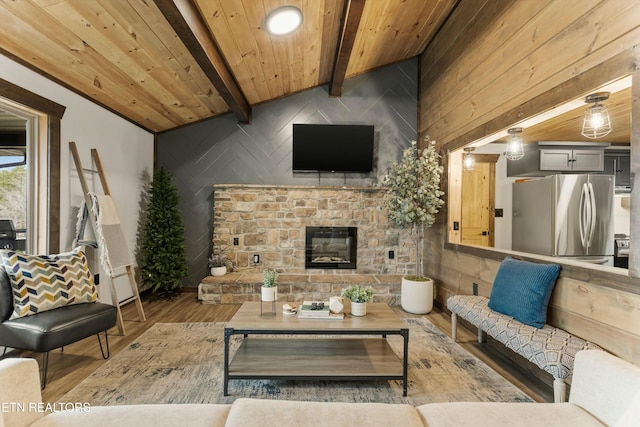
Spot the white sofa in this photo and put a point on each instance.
(605, 391)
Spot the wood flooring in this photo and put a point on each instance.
(69, 367)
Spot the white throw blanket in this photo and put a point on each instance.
(108, 238)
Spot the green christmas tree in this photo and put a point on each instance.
(164, 259)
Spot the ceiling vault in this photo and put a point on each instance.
(351, 21)
(188, 24)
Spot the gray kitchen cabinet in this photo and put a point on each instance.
(544, 158)
(567, 160)
(618, 164)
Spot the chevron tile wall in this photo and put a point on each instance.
(221, 151)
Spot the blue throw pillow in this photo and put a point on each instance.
(522, 290)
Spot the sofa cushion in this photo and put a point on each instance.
(522, 290)
(631, 417)
(44, 282)
(192, 415)
(500, 414)
(256, 412)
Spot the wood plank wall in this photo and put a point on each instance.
(495, 63)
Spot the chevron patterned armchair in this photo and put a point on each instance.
(29, 320)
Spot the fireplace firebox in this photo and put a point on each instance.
(331, 247)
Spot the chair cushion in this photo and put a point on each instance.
(522, 290)
(57, 328)
(45, 282)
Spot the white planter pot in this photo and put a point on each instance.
(269, 294)
(358, 308)
(416, 297)
(218, 271)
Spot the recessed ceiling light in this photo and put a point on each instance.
(283, 20)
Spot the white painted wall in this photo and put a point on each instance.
(126, 151)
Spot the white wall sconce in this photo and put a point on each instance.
(596, 123)
(283, 20)
(515, 150)
(468, 160)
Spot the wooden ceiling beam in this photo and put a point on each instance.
(189, 25)
(351, 21)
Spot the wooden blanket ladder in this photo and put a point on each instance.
(128, 269)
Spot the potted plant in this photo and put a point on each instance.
(269, 290)
(218, 264)
(412, 200)
(359, 297)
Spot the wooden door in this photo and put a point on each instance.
(478, 200)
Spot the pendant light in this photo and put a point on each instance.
(596, 123)
(283, 20)
(468, 160)
(515, 150)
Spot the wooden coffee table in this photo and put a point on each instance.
(325, 355)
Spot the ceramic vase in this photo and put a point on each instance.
(358, 308)
(416, 296)
(269, 294)
(218, 271)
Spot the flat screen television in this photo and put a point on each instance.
(333, 148)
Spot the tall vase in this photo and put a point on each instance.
(358, 308)
(269, 294)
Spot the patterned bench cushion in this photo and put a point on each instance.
(550, 348)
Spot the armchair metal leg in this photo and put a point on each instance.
(106, 339)
(45, 362)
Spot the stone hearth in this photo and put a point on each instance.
(238, 287)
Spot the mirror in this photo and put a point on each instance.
(481, 205)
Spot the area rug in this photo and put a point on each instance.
(183, 363)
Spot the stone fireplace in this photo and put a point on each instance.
(331, 247)
(269, 223)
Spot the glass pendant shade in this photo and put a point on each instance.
(515, 150)
(468, 161)
(596, 123)
(283, 20)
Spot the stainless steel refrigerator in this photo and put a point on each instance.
(568, 216)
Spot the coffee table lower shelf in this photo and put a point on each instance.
(316, 358)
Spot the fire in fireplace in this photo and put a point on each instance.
(331, 247)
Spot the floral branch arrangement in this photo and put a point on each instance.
(414, 198)
(219, 259)
(357, 293)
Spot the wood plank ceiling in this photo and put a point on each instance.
(168, 63)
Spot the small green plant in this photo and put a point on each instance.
(218, 261)
(270, 277)
(357, 293)
(417, 278)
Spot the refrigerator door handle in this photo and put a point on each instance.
(594, 214)
(582, 216)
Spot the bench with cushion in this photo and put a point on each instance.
(551, 349)
(49, 302)
(515, 316)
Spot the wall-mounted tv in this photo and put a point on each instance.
(333, 148)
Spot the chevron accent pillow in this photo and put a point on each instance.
(44, 282)
(523, 289)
